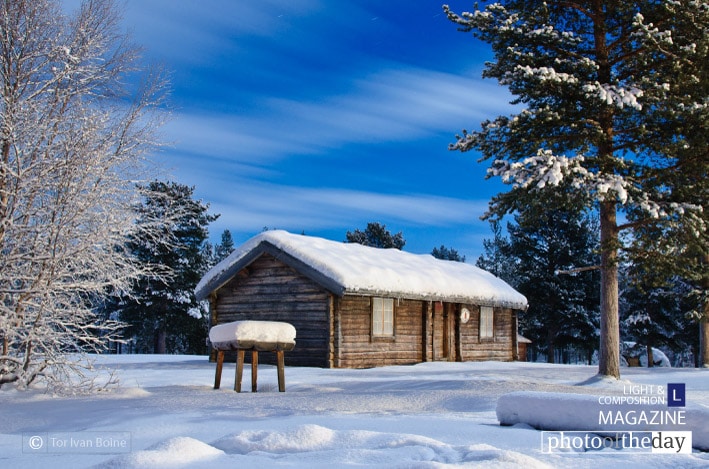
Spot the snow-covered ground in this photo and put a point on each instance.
(428, 415)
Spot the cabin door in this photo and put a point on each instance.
(442, 321)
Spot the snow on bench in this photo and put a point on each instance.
(265, 336)
(257, 336)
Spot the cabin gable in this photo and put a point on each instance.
(269, 290)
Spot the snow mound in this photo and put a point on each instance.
(317, 444)
(483, 455)
(304, 438)
(659, 359)
(176, 452)
(631, 349)
(580, 412)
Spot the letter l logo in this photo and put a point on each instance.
(676, 396)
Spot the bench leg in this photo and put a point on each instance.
(239, 370)
(218, 375)
(254, 369)
(281, 371)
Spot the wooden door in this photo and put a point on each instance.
(442, 316)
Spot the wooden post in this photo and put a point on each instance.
(433, 331)
(447, 332)
(515, 342)
(254, 369)
(458, 334)
(239, 369)
(212, 322)
(338, 327)
(332, 342)
(425, 307)
(281, 371)
(218, 375)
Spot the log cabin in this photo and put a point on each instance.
(355, 306)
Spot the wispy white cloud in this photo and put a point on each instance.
(277, 102)
(251, 206)
(395, 104)
(199, 29)
(236, 153)
(426, 220)
(367, 99)
(399, 103)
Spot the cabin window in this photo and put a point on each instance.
(383, 317)
(486, 322)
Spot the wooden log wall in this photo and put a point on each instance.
(500, 347)
(336, 332)
(356, 348)
(268, 290)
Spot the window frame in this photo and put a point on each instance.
(486, 323)
(379, 313)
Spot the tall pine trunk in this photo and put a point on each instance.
(160, 342)
(704, 340)
(609, 349)
(704, 321)
(650, 357)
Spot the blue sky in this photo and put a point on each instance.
(320, 116)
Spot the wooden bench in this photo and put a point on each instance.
(254, 336)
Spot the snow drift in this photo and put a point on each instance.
(580, 412)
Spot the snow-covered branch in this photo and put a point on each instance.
(71, 150)
(577, 270)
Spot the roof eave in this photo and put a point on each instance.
(447, 299)
(266, 247)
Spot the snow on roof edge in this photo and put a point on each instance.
(364, 270)
(221, 273)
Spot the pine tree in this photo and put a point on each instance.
(162, 313)
(678, 252)
(496, 257)
(209, 254)
(447, 254)
(654, 315)
(545, 242)
(376, 235)
(225, 247)
(601, 106)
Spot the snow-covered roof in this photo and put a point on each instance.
(523, 340)
(349, 268)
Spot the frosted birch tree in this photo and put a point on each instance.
(601, 106)
(73, 137)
